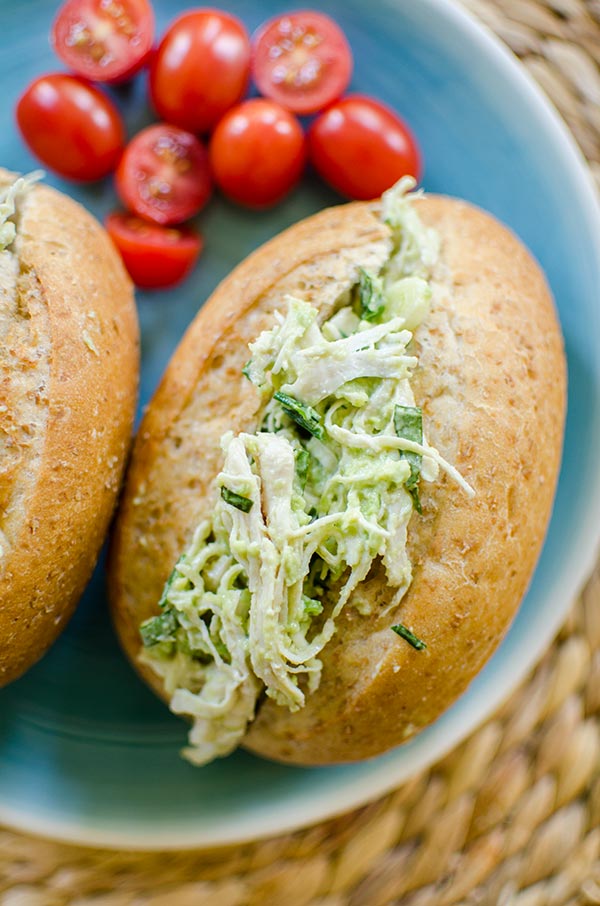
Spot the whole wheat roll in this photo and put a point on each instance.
(69, 362)
(491, 382)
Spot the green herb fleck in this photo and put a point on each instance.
(414, 493)
(370, 296)
(240, 503)
(312, 607)
(302, 464)
(303, 415)
(246, 370)
(174, 573)
(222, 650)
(159, 629)
(408, 636)
(408, 422)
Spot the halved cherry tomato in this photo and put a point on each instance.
(257, 152)
(201, 69)
(155, 256)
(361, 147)
(164, 174)
(71, 126)
(104, 40)
(302, 60)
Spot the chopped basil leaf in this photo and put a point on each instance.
(370, 296)
(408, 422)
(302, 463)
(414, 493)
(159, 629)
(174, 573)
(408, 636)
(240, 503)
(303, 415)
(222, 649)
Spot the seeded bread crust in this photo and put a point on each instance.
(69, 362)
(491, 381)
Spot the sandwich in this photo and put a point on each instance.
(68, 386)
(339, 492)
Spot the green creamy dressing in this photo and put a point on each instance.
(326, 486)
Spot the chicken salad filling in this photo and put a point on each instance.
(325, 487)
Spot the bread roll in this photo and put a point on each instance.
(68, 385)
(491, 383)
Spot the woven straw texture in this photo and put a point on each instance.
(511, 817)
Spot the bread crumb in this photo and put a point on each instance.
(89, 342)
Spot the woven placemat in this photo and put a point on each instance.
(512, 816)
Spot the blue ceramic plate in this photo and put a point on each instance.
(86, 752)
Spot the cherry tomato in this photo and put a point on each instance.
(361, 147)
(257, 153)
(155, 256)
(71, 126)
(302, 60)
(164, 174)
(103, 40)
(200, 69)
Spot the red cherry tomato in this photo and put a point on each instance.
(361, 147)
(103, 40)
(71, 126)
(302, 60)
(155, 256)
(164, 174)
(257, 153)
(200, 69)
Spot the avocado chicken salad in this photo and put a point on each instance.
(327, 484)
